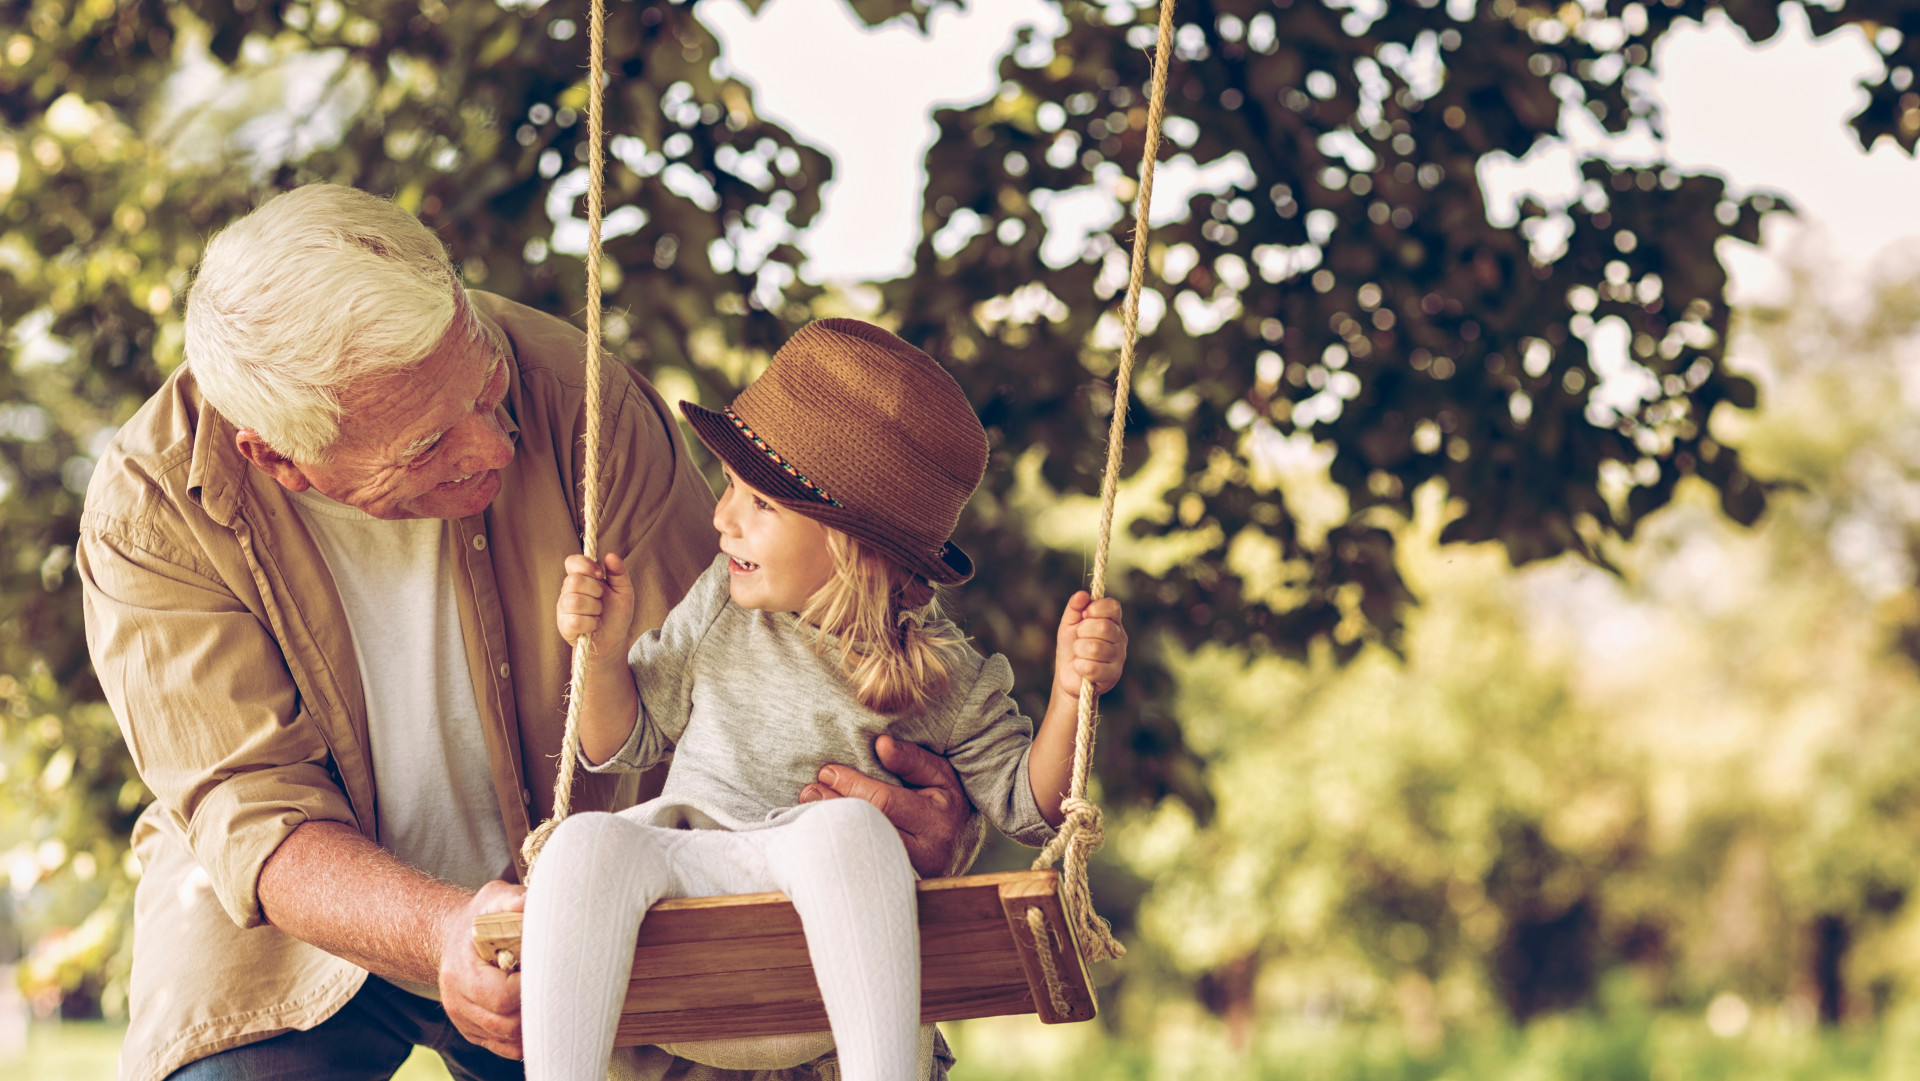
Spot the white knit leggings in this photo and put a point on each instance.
(841, 864)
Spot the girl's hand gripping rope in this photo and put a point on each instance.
(1092, 649)
(1092, 645)
(597, 600)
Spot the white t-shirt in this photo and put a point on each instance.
(431, 773)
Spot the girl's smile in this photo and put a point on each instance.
(777, 558)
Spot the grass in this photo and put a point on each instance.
(75, 1051)
(1187, 1046)
(1667, 1046)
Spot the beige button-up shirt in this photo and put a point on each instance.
(223, 648)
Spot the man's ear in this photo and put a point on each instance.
(269, 461)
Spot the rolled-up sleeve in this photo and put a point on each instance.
(207, 705)
(989, 749)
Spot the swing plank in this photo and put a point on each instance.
(708, 968)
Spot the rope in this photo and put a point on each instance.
(1043, 943)
(590, 452)
(1082, 831)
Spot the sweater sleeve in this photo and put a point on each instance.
(662, 664)
(988, 748)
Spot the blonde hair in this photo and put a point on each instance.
(318, 289)
(886, 627)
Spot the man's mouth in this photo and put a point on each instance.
(457, 482)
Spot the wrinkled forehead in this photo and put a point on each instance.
(416, 402)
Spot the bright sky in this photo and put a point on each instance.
(867, 97)
(1769, 118)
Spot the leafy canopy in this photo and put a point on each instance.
(1346, 288)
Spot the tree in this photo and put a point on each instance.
(1700, 769)
(1354, 289)
(1349, 285)
(469, 114)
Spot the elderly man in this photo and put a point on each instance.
(319, 571)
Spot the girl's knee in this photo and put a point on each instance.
(589, 835)
(851, 822)
(587, 827)
(848, 816)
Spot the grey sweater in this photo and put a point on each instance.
(750, 712)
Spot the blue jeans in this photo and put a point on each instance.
(366, 1041)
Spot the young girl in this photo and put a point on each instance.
(814, 632)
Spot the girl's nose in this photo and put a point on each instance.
(723, 516)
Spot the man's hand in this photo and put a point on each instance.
(481, 1001)
(931, 812)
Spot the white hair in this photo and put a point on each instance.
(318, 289)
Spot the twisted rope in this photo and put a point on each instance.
(1043, 944)
(1083, 829)
(590, 478)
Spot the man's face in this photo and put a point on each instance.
(424, 443)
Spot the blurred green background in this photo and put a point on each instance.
(1525, 640)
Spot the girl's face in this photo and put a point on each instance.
(778, 558)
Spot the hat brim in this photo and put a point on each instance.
(948, 566)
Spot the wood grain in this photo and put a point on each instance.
(1072, 997)
(709, 968)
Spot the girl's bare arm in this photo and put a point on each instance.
(1092, 651)
(598, 601)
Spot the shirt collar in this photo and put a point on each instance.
(217, 471)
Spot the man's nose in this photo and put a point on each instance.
(487, 445)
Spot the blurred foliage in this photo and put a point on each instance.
(1699, 771)
(1622, 1039)
(1554, 367)
(1346, 293)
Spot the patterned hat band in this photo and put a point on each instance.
(774, 457)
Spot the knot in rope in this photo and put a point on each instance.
(1082, 830)
(535, 841)
(1084, 827)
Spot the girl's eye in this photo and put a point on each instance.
(761, 503)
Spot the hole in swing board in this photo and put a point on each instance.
(725, 967)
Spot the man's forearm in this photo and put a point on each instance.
(327, 885)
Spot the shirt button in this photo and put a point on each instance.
(526, 796)
(479, 543)
(504, 670)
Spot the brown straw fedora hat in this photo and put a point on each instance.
(860, 431)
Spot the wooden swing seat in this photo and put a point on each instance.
(708, 968)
